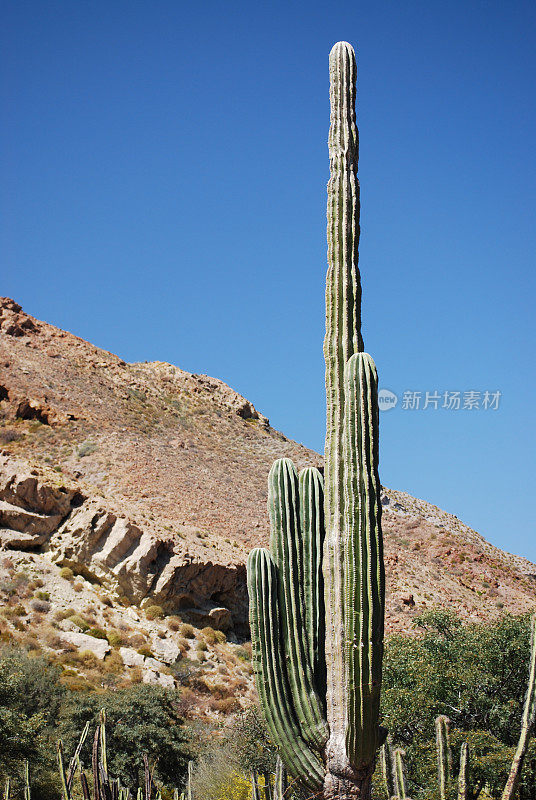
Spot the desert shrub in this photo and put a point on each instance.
(78, 587)
(145, 651)
(136, 640)
(114, 638)
(201, 646)
(154, 612)
(218, 777)
(174, 623)
(114, 663)
(86, 449)
(136, 675)
(63, 613)
(67, 573)
(242, 654)
(213, 637)
(41, 606)
(187, 631)
(42, 595)
(79, 621)
(249, 740)
(225, 705)
(97, 633)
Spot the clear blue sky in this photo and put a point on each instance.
(163, 195)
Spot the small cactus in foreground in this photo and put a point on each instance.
(444, 757)
(462, 775)
(400, 774)
(317, 596)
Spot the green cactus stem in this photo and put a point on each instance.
(387, 768)
(190, 781)
(63, 775)
(400, 774)
(27, 790)
(444, 755)
(342, 340)
(527, 721)
(462, 774)
(280, 780)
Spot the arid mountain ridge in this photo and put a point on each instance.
(155, 479)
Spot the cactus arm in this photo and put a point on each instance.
(364, 577)
(311, 488)
(527, 721)
(287, 551)
(270, 672)
(462, 775)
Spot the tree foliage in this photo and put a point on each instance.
(475, 674)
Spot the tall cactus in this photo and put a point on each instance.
(317, 596)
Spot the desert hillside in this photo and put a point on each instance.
(153, 480)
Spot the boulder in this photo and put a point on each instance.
(99, 647)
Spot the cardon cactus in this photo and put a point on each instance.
(317, 595)
(444, 755)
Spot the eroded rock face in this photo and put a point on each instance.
(80, 532)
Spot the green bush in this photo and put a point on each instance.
(114, 638)
(67, 573)
(187, 631)
(97, 633)
(154, 612)
(42, 595)
(79, 621)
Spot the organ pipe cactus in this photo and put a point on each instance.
(400, 775)
(444, 756)
(387, 768)
(462, 775)
(280, 780)
(317, 595)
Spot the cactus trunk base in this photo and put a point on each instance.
(357, 787)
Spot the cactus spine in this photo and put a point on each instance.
(317, 596)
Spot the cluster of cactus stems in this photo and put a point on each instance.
(392, 761)
(101, 786)
(317, 595)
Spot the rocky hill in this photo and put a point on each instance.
(152, 481)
